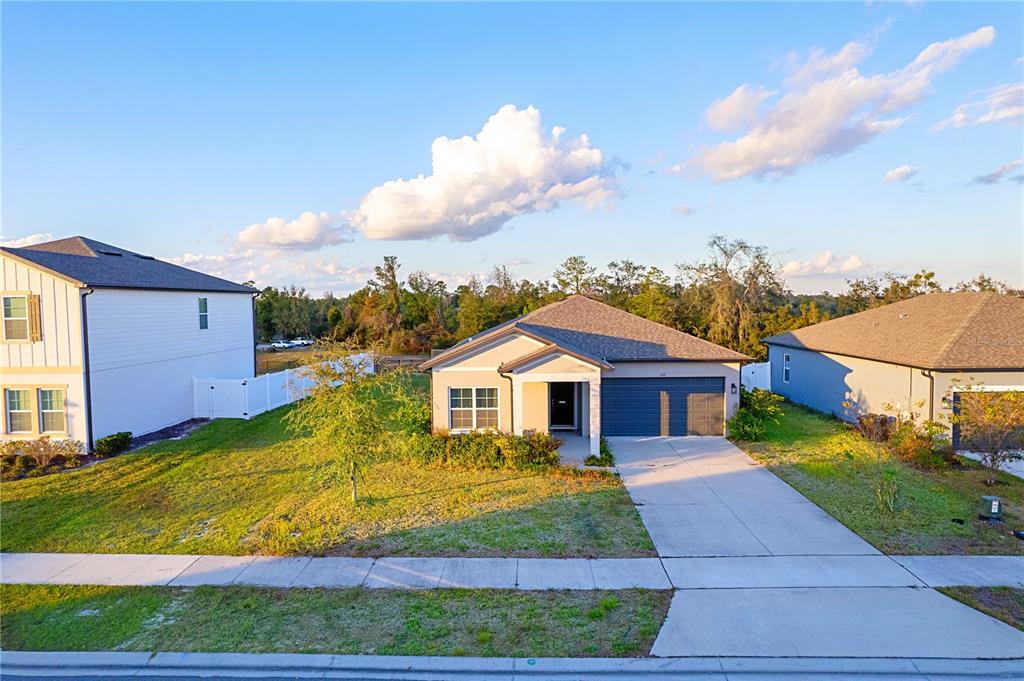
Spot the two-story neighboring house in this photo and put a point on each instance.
(97, 339)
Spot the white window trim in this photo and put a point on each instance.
(4, 318)
(203, 316)
(785, 367)
(8, 411)
(474, 408)
(63, 411)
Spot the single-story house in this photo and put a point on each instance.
(914, 356)
(581, 366)
(97, 339)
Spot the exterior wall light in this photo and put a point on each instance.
(732, 389)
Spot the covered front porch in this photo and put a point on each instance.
(565, 406)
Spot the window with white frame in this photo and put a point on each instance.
(785, 368)
(18, 408)
(16, 318)
(472, 408)
(51, 411)
(204, 316)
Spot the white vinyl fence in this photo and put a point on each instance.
(757, 376)
(243, 398)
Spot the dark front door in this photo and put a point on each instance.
(563, 405)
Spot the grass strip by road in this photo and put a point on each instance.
(340, 621)
(249, 487)
(831, 464)
(1003, 603)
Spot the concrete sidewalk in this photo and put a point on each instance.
(730, 572)
(366, 667)
(338, 572)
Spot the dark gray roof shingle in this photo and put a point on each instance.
(934, 331)
(605, 333)
(101, 265)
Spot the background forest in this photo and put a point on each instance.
(734, 297)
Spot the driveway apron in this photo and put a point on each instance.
(764, 571)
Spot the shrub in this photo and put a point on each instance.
(483, 449)
(915, 444)
(112, 444)
(757, 409)
(875, 427)
(43, 451)
(606, 457)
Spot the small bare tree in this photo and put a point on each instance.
(352, 409)
(991, 425)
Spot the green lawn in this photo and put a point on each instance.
(836, 468)
(342, 621)
(1003, 603)
(244, 487)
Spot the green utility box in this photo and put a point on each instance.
(991, 508)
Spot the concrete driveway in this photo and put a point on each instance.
(701, 496)
(771, 574)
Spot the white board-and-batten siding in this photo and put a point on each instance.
(56, 359)
(145, 347)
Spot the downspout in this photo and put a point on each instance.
(511, 399)
(86, 372)
(927, 373)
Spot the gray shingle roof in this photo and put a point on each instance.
(606, 334)
(934, 331)
(101, 265)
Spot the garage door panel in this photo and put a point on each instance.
(662, 406)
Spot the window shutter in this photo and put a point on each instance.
(35, 327)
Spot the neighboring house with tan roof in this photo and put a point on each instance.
(97, 339)
(580, 366)
(910, 355)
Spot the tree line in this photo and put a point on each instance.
(734, 296)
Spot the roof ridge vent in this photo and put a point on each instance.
(115, 253)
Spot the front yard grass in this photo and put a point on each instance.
(248, 487)
(340, 621)
(1003, 603)
(936, 511)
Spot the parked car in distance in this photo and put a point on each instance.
(281, 345)
(302, 342)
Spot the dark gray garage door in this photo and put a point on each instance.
(662, 406)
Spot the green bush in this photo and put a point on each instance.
(757, 409)
(113, 444)
(484, 449)
(606, 457)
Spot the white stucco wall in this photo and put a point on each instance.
(145, 347)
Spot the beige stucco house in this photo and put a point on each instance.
(580, 366)
(916, 356)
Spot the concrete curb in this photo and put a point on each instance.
(117, 664)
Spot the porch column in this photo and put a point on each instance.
(517, 405)
(595, 416)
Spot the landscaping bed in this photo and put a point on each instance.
(1003, 603)
(935, 510)
(249, 487)
(341, 621)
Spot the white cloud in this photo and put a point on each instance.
(738, 110)
(685, 209)
(30, 240)
(829, 108)
(902, 173)
(309, 231)
(512, 167)
(998, 174)
(1003, 103)
(279, 268)
(826, 262)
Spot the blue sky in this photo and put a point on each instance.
(181, 130)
